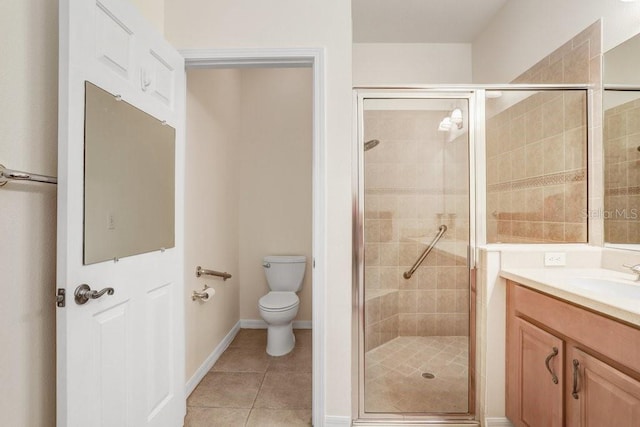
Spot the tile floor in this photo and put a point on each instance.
(247, 387)
(394, 382)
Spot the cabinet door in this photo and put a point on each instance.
(534, 375)
(598, 394)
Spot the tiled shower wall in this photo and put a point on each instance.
(415, 180)
(536, 170)
(536, 152)
(622, 172)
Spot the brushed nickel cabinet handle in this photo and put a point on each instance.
(576, 366)
(551, 355)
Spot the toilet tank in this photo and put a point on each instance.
(284, 273)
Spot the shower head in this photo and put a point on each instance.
(370, 144)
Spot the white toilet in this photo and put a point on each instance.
(279, 307)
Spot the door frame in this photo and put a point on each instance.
(475, 138)
(304, 58)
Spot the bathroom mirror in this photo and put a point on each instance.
(129, 179)
(621, 140)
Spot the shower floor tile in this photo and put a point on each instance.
(394, 381)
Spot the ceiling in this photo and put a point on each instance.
(421, 21)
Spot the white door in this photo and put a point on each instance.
(120, 358)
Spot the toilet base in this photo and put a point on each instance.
(280, 339)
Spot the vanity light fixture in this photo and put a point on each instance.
(445, 124)
(455, 118)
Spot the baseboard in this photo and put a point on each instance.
(211, 360)
(497, 422)
(413, 423)
(336, 421)
(261, 324)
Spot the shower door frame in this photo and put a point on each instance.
(476, 135)
(477, 230)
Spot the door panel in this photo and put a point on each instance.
(605, 396)
(114, 42)
(111, 350)
(120, 357)
(159, 341)
(414, 229)
(533, 398)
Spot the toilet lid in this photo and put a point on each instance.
(278, 301)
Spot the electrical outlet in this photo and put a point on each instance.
(554, 259)
(111, 221)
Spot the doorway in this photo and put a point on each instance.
(312, 60)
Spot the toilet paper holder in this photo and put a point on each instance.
(202, 295)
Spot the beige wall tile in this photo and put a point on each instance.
(389, 277)
(447, 277)
(389, 305)
(426, 302)
(427, 277)
(426, 325)
(577, 64)
(407, 324)
(554, 203)
(446, 301)
(533, 124)
(407, 301)
(372, 311)
(553, 115)
(554, 152)
(534, 152)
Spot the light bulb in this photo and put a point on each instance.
(445, 124)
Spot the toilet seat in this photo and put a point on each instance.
(278, 301)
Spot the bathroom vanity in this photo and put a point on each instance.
(572, 358)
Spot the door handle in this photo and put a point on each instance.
(83, 293)
(574, 392)
(551, 355)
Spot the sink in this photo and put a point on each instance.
(606, 287)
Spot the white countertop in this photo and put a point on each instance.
(556, 282)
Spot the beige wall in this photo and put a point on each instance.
(274, 178)
(28, 135)
(211, 208)
(525, 31)
(153, 11)
(537, 151)
(294, 24)
(407, 63)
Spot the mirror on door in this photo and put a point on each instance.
(129, 179)
(621, 140)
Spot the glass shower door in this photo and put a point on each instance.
(414, 193)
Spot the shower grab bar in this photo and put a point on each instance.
(200, 271)
(7, 175)
(407, 274)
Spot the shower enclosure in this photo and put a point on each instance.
(438, 171)
(413, 236)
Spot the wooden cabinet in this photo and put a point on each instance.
(600, 395)
(536, 380)
(567, 365)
